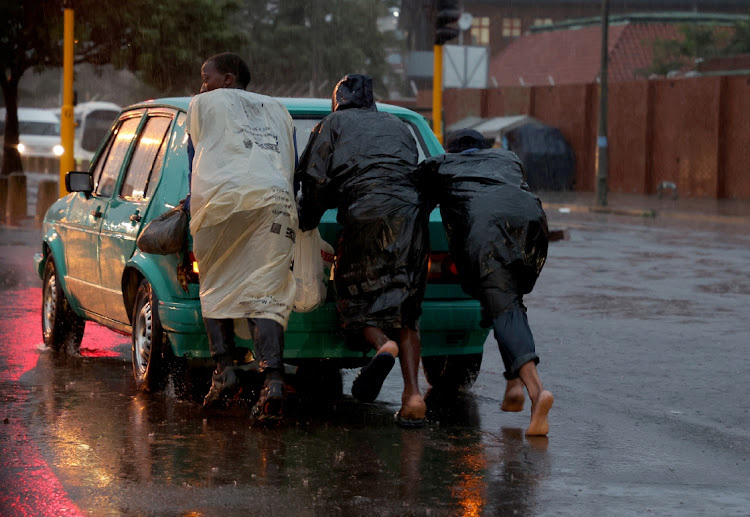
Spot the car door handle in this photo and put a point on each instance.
(97, 213)
(136, 217)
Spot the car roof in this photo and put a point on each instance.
(293, 104)
(84, 107)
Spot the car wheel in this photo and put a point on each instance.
(452, 372)
(148, 341)
(61, 327)
(318, 382)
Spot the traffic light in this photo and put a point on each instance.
(447, 13)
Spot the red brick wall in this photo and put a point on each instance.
(511, 100)
(568, 108)
(627, 132)
(691, 131)
(458, 104)
(685, 133)
(734, 138)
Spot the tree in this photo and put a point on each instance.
(313, 44)
(695, 43)
(165, 42)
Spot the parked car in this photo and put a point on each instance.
(92, 270)
(93, 120)
(38, 139)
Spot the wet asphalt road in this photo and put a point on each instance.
(642, 328)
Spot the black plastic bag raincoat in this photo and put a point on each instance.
(491, 218)
(363, 162)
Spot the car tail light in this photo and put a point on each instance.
(194, 262)
(442, 269)
(187, 271)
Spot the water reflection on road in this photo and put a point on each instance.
(117, 450)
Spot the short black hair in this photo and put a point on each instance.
(463, 139)
(231, 63)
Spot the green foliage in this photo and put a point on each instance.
(315, 43)
(740, 43)
(697, 42)
(165, 42)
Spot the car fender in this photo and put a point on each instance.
(52, 245)
(144, 265)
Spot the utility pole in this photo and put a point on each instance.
(447, 13)
(601, 142)
(67, 121)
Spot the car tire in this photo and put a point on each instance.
(62, 328)
(149, 369)
(452, 372)
(318, 381)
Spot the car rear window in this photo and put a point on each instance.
(305, 126)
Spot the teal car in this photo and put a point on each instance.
(92, 269)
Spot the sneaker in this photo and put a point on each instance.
(270, 405)
(221, 382)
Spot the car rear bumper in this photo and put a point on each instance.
(448, 327)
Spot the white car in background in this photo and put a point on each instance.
(38, 139)
(93, 120)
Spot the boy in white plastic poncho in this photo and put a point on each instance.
(243, 222)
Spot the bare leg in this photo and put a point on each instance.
(514, 396)
(369, 380)
(541, 400)
(413, 406)
(379, 341)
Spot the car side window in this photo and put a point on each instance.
(112, 162)
(147, 158)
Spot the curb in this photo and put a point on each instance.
(646, 213)
(558, 234)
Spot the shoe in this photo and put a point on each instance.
(370, 378)
(407, 423)
(222, 382)
(270, 405)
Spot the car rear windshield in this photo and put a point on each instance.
(305, 126)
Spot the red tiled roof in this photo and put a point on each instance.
(573, 56)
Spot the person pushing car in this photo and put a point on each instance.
(243, 222)
(498, 237)
(363, 162)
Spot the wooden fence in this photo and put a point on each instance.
(694, 132)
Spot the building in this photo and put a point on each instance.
(570, 52)
(496, 24)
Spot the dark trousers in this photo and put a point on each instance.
(268, 340)
(501, 299)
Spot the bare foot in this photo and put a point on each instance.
(539, 425)
(389, 346)
(514, 396)
(413, 407)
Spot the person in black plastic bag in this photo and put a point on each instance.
(363, 162)
(498, 237)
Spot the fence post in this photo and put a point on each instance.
(3, 195)
(47, 194)
(17, 203)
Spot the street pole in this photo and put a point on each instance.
(601, 141)
(437, 93)
(67, 121)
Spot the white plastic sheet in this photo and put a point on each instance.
(313, 260)
(243, 213)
